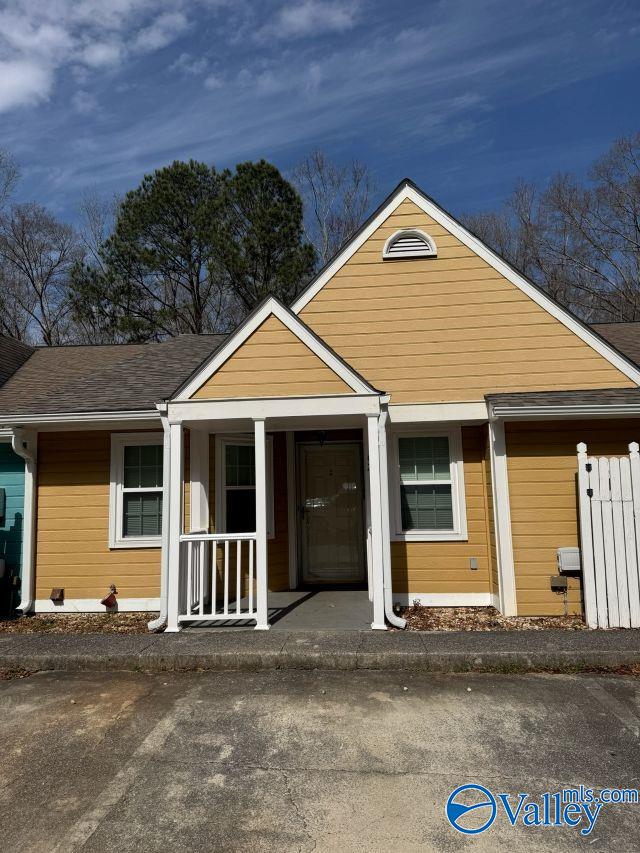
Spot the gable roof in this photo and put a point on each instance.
(13, 355)
(111, 378)
(273, 307)
(407, 190)
(625, 337)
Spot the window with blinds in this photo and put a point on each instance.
(142, 490)
(426, 483)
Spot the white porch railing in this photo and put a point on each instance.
(218, 579)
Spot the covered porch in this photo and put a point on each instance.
(274, 505)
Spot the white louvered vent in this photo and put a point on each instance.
(409, 244)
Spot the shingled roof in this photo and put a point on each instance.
(13, 355)
(133, 377)
(122, 377)
(590, 397)
(625, 337)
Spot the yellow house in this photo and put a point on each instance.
(408, 426)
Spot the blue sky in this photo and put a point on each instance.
(464, 97)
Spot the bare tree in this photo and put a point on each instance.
(523, 232)
(97, 219)
(579, 241)
(9, 174)
(336, 200)
(36, 255)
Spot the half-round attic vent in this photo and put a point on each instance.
(409, 243)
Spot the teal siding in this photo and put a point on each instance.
(12, 480)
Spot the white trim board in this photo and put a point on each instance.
(250, 408)
(272, 307)
(119, 440)
(92, 605)
(406, 413)
(444, 599)
(458, 496)
(406, 192)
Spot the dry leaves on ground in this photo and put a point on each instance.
(78, 623)
(483, 619)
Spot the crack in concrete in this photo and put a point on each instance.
(299, 813)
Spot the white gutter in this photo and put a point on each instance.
(391, 617)
(25, 443)
(160, 621)
(79, 417)
(576, 411)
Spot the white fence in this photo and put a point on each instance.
(609, 499)
(218, 577)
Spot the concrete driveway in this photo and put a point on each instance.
(281, 761)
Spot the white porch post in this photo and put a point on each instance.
(25, 444)
(175, 525)
(377, 547)
(160, 621)
(502, 518)
(262, 618)
(199, 477)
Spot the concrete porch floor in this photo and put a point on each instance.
(308, 610)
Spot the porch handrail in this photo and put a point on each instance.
(216, 537)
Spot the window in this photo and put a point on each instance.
(429, 486)
(236, 485)
(410, 243)
(135, 508)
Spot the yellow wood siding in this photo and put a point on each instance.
(542, 468)
(443, 567)
(272, 362)
(72, 541)
(446, 329)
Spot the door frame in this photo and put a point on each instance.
(294, 494)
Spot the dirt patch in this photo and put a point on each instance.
(483, 619)
(78, 623)
(14, 672)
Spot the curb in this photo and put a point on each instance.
(435, 662)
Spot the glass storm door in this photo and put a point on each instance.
(331, 513)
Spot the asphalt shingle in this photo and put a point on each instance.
(123, 377)
(13, 355)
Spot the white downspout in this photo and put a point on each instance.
(391, 617)
(160, 621)
(25, 444)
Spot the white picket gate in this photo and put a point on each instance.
(609, 500)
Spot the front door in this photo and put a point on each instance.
(331, 513)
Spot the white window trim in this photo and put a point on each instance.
(221, 472)
(429, 249)
(119, 441)
(458, 498)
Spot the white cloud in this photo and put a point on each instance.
(189, 65)
(84, 102)
(102, 54)
(40, 38)
(23, 83)
(313, 17)
(165, 29)
(213, 81)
